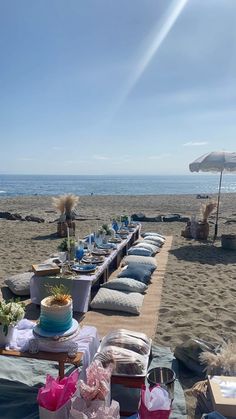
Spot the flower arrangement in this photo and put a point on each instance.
(11, 312)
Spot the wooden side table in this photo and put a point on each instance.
(61, 357)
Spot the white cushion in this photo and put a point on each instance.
(125, 284)
(155, 240)
(128, 302)
(19, 284)
(152, 247)
(153, 234)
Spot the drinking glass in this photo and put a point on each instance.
(79, 252)
(90, 247)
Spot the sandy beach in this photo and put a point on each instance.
(198, 296)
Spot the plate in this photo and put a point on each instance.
(106, 246)
(93, 259)
(100, 252)
(115, 240)
(87, 268)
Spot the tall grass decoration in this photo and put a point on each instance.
(220, 363)
(65, 204)
(207, 209)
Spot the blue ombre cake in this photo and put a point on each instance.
(55, 317)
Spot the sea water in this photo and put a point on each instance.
(24, 185)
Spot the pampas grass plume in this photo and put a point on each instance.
(65, 203)
(207, 209)
(223, 362)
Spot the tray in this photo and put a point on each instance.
(43, 269)
(145, 357)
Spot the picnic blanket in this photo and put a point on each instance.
(21, 378)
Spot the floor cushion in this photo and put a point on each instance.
(148, 233)
(139, 251)
(125, 284)
(19, 284)
(137, 271)
(145, 260)
(107, 299)
(149, 246)
(156, 240)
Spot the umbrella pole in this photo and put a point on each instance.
(218, 205)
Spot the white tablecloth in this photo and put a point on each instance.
(80, 286)
(87, 341)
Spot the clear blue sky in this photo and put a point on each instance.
(111, 87)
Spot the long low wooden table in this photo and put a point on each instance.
(81, 285)
(61, 357)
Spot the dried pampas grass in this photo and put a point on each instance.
(222, 363)
(207, 209)
(65, 204)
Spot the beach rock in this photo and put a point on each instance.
(138, 217)
(159, 218)
(184, 219)
(171, 218)
(35, 219)
(10, 216)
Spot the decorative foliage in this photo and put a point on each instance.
(106, 230)
(59, 293)
(66, 204)
(207, 209)
(10, 313)
(63, 246)
(222, 363)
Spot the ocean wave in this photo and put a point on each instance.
(3, 191)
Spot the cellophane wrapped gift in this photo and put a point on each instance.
(54, 398)
(94, 409)
(135, 341)
(98, 382)
(155, 403)
(127, 362)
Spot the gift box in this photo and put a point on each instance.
(223, 394)
(62, 413)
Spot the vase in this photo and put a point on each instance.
(202, 230)
(6, 339)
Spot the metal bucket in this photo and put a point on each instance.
(164, 377)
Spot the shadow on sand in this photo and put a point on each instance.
(205, 254)
(52, 236)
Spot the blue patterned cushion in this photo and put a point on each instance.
(125, 284)
(137, 271)
(139, 251)
(128, 302)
